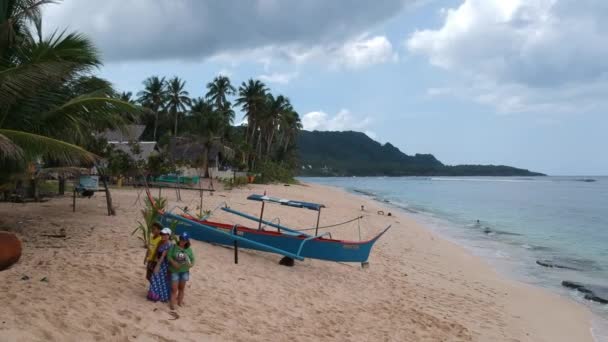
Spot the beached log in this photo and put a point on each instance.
(10, 249)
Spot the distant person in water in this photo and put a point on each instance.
(160, 289)
(150, 258)
(181, 259)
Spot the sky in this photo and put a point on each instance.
(507, 82)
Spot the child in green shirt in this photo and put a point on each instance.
(181, 259)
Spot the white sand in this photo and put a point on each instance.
(418, 287)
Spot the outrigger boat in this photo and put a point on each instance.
(290, 243)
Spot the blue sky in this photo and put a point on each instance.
(514, 82)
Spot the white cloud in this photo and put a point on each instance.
(277, 77)
(224, 72)
(360, 52)
(344, 120)
(195, 29)
(364, 52)
(520, 55)
(356, 53)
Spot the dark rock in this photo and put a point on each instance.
(552, 264)
(287, 261)
(595, 293)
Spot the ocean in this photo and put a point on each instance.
(512, 222)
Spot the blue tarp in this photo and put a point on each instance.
(291, 203)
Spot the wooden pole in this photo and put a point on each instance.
(236, 245)
(318, 217)
(74, 201)
(111, 211)
(261, 215)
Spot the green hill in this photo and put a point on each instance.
(323, 153)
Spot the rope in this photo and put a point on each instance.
(333, 225)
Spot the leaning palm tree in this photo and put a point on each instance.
(49, 103)
(276, 107)
(251, 99)
(154, 97)
(217, 93)
(177, 99)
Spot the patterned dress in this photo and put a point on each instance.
(160, 285)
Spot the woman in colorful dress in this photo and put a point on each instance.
(160, 286)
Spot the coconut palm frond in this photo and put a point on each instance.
(64, 170)
(83, 113)
(59, 58)
(8, 149)
(37, 146)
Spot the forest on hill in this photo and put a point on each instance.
(324, 153)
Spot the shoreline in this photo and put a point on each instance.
(510, 270)
(419, 286)
(500, 271)
(511, 279)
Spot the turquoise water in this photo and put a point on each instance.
(563, 220)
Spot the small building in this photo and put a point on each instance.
(203, 158)
(127, 141)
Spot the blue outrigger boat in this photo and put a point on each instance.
(290, 243)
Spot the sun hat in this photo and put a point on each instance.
(184, 236)
(166, 231)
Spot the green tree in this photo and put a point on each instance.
(49, 103)
(252, 97)
(154, 97)
(205, 126)
(218, 92)
(126, 96)
(177, 99)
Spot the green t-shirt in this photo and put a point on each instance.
(180, 255)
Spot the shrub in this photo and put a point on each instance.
(150, 215)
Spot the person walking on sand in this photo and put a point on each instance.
(150, 259)
(160, 289)
(181, 259)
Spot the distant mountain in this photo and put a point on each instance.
(323, 153)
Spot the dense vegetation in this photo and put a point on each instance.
(49, 99)
(355, 154)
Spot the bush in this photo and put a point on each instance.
(150, 216)
(230, 183)
(271, 172)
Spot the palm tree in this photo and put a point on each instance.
(126, 96)
(48, 103)
(276, 108)
(289, 127)
(217, 92)
(154, 97)
(205, 126)
(177, 99)
(251, 99)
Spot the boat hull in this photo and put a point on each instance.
(273, 241)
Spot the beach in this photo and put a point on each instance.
(418, 287)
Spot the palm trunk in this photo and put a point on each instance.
(286, 143)
(175, 130)
(269, 147)
(155, 124)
